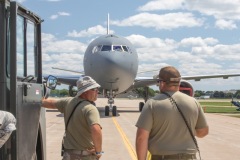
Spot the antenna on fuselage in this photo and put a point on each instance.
(108, 24)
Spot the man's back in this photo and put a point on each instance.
(169, 122)
(168, 131)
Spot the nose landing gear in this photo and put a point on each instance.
(110, 108)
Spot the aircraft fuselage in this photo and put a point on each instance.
(112, 61)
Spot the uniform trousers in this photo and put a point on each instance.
(181, 156)
(78, 155)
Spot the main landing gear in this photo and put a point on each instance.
(114, 110)
(146, 93)
(141, 104)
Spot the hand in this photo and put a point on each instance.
(98, 156)
(92, 150)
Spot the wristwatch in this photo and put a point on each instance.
(99, 153)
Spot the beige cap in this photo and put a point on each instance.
(170, 75)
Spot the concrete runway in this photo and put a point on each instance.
(222, 143)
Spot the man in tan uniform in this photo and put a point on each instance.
(83, 136)
(162, 129)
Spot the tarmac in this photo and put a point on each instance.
(222, 143)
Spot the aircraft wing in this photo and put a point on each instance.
(199, 77)
(145, 81)
(148, 81)
(68, 80)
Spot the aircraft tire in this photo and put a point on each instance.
(141, 104)
(106, 110)
(114, 111)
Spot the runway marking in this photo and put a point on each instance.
(127, 143)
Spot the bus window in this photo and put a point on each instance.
(106, 48)
(31, 49)
(26, 58)
(20, 46)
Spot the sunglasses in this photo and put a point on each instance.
(94, 89)
(160, 80)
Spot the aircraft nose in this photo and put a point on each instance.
(112, 70)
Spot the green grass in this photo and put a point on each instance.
(215, 103)
(208, 109)
(219, 107)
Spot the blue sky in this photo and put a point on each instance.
(198, 37)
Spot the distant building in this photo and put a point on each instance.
(205, 97)
(233, 91)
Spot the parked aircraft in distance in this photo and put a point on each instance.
(113, 62)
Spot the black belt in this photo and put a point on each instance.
(174, 156)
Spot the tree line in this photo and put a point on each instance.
(217, 94)
(141, 93)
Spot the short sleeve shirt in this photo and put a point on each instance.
(168, 133)
(78, 134)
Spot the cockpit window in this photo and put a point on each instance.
(117, 48)
(125, 48)
(97, 48)
(106, 48)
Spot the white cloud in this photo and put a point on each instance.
(197, 41)
(55, 16)
(225, 12)
(70, 61)
(162, 5)
(20, 1)
(201, 55)
(224, 24)
(46, 38)
(67, 54)
(140, 41)
(63, 14)
(52, 45)
(223, 9)
(165, 21)
(92, 31)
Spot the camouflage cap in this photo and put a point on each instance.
(85, 83)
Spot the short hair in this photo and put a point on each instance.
(170, 75)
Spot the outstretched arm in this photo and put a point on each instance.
(49, 103)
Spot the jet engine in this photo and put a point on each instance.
(187, 88)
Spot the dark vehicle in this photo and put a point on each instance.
(236, 103)
(21, 84)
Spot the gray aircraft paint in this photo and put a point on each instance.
(113, 70)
